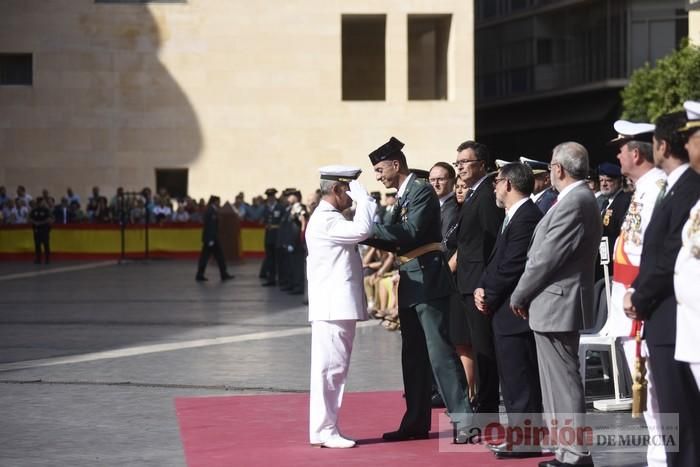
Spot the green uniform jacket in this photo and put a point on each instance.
(416, 222)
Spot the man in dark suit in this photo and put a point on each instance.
(210, 242)
(555, 294)
(614, 204)
(442, 179)
(514, 341)
(424, 293)
(651, 296)
(480, 222)
(272, 216)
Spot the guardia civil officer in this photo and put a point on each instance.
(425, 287)
(210, 242)
(336, 296)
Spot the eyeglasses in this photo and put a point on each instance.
(496, 181)
(438, 179)
(552, 165)
(462, 162)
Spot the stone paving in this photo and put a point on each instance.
(102, 352)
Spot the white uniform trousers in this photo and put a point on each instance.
(656, 455)
(331, 347)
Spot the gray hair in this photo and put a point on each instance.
(327, 187)
(520, 177)
(645, 149)
(573, 158)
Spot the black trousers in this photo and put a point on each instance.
(41, 239)
(518, 371)
(678, 394)
(425, 344)
(268, 269)
(486, 365)
(207, 250)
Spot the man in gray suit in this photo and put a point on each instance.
(556, 293)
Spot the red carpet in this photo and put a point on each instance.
(272, 430)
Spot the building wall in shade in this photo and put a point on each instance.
(552, 70)
(243, 94)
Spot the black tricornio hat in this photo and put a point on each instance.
(270, 192)
(390, 150)
(420, 173)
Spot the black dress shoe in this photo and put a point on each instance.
(556, 463)
(201, 279)
(400, 435)
(227, 277)
(269, 283)
(436, 401)
(516, 454)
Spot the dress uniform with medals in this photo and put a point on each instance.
(425, 286)
(626, 255)
(272, 216)
(336, 296)
(687, 274)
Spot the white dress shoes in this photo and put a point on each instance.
(335, 442)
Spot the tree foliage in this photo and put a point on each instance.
(654, 91)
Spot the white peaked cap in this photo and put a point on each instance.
(340, 173)
(692, 111)
(630, 131)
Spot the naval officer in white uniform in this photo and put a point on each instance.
(336, 295)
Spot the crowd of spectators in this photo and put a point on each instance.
(123, 207)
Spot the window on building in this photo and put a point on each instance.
(173, 180)
(364, 57)
(428, 40)
(16, 69)
(544, 51)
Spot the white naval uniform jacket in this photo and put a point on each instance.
(334, 265)
(685, 281)
(627, 252)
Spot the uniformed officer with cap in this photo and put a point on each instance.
(613, 204)
(285, 237)
(272, 216)
(425, 287)
(636, 157)
(544, 195)
(336, 295)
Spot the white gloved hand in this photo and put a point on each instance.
(357, 192)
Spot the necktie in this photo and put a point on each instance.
(505, 223)
(604, 206)
(662, 193)
(469, 193)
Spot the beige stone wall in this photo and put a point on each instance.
(244, 94)
(694, 26)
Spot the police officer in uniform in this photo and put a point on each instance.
(296, 246)
(210, 242)
(272, 217)
(41, 219)
(285, 238)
